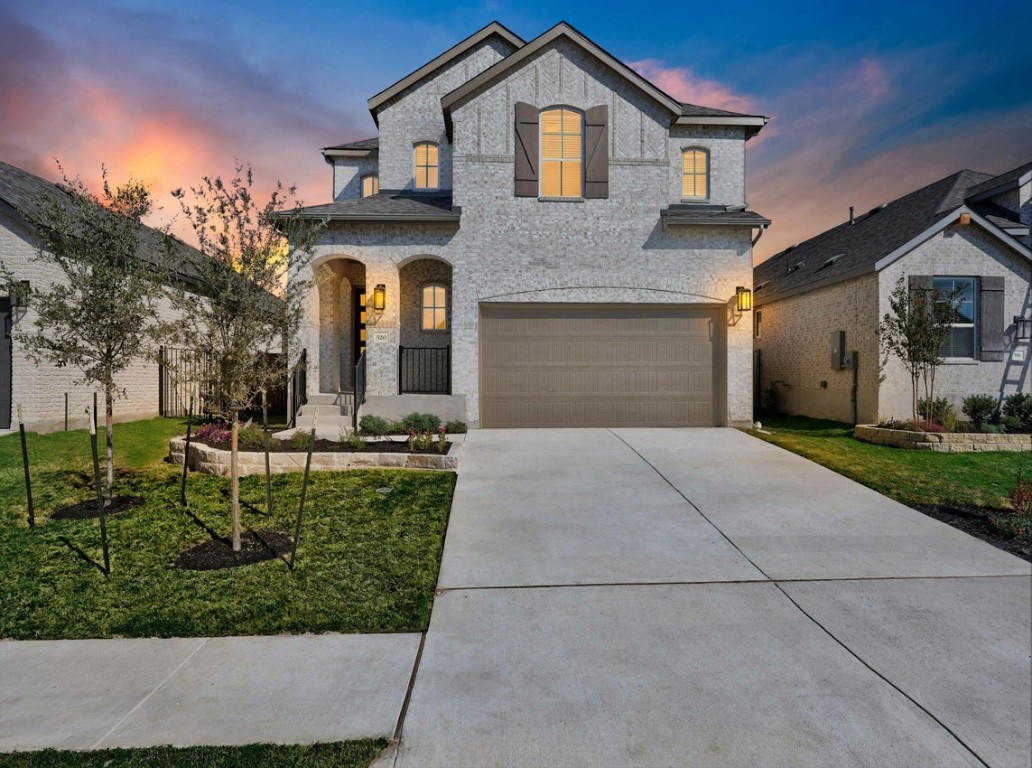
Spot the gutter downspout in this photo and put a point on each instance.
(759, 234)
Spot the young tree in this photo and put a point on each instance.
(913, 330)
(101, 315)
(249, 310)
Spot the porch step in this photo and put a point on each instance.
(330, 403)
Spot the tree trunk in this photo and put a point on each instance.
(109, 415)
(234, 483)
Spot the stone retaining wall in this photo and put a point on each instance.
(216, 462)
(954, 442)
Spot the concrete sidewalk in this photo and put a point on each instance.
(699, 597)
(92, 694)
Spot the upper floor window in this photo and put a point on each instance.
(370, 185)
(435, 308)
(426, 165)
(960, 342)
(695, 173)
(562, 153)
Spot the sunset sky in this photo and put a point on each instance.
(867, 100)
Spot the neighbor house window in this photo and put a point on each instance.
(370, 185)
(435, 308)
(960, 342)
(695, 173)
(562, 152)
(426, 165)
(758, 323)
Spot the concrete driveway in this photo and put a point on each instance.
(699, 597)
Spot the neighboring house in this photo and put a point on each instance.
(969, 230)
(41, 390)
(538, 237)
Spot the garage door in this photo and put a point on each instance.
(546, 365)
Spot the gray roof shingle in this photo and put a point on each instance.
(853, 249)
(998, 181)
(389, 205)
(362, 144)
(711, 216)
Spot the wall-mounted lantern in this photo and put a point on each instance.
(379, 297)
(743, 299)
(1023, 327)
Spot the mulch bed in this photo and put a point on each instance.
(217, 553)
(332, 446)
(975, 521)
(84, 510)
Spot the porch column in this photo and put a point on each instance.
(308, 333)
(382, 330)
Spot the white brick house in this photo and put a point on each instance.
(969, 230)
(556, 242)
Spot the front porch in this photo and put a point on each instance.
(378, 341)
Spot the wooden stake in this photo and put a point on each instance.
(268, 469)
(101, 511)
(28, 476)
(304, 490)
(186, 453)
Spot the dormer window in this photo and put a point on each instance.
(370, 185)
(426, 165)
(562, 153)
(695, 174)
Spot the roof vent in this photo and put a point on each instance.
(876, 209)
(831, 261)
(760, 286)
(795, 267)
(851, 220)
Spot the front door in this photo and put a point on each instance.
(359, 304)
(5, 363)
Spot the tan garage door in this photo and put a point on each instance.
(546, 365)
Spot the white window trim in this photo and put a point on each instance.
(415, 167)
(541, 160)
(709, 172)
(973, 325)
(362, 180)
(446, 307)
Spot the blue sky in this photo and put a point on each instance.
(867, 101)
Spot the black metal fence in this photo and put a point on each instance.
(180, 376)
(298, 388)
(424, 370)
(360, 389)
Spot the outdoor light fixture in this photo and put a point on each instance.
(743, 299)
(379, 297)
(1023, 327)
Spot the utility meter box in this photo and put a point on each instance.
(838, 350)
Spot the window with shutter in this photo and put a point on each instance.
(426, 165)
(525, 183)
(562, 153)
(596, 152)
(695, 173)
(960, 342)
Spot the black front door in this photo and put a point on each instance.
(5, 363)
(359, 304)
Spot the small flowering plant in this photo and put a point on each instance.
(214, 433)
(412, 437)
(442, 441)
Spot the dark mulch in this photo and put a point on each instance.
(84, 510)
(975, 521)
(217, 553)
(332, 446)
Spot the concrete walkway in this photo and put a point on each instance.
(93, 694)
(699, 597)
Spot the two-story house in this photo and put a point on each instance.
(537, 237)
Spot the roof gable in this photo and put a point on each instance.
(563, 30)
(1015, 177)
(494, 28)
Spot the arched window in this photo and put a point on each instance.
(695, 173)
(370, 185)
(435, 308)
(426, 165)
(562, 153)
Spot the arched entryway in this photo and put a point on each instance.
(342, 317)
(426, 326)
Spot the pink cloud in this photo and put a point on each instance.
(684, 85)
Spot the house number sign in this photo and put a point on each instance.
(381, 337)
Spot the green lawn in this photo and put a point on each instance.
(367, 561)
(911, 477)
(346, 754)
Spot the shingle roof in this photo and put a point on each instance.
(389, 205)
(853, 249)
(362, 144)
(694, 110)
(22, 190)
(710, 216)
(998, 181)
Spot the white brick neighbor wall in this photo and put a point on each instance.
(510, 249)
(40, 389)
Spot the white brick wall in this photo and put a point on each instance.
(510, 249)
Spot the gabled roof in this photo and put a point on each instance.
(850, 250)
(494, 28)
(362, 145)
(1012, 178)
(22, 190)
(686, 113)
(389, 205)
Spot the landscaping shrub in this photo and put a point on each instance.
(1018, 523)
(1010, 423)
(396, 428)
(421, 422)
(455, 427)
(1019, 407)
(300, 440)
(374, 425)
(980, 409)
(994, 429)
(213, 433)
(353, 440)
(940, 409)
(251, 438)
